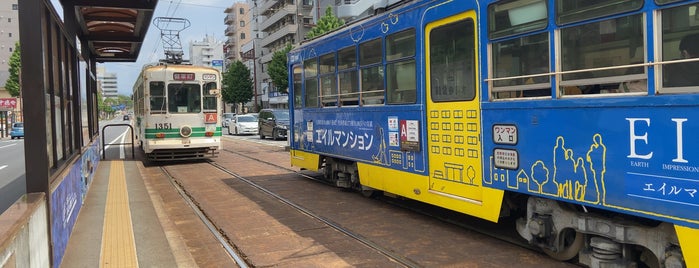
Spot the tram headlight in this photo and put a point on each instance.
(160, 135)
(209, 133)
(185, 131)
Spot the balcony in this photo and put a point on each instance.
(281, 32)
(277, 16)
(229, 19)
(230, 30)
(266, 5)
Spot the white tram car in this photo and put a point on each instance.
(177, 111)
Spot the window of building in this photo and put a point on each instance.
(242, 23)
(9, 19)
(242, 36)
(15, 7)
(241, 11)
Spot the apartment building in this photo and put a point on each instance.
(9, 35)
(207, 52)
(238, 26)
(108, 82)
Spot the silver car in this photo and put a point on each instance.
(243, 124)
(226, 119)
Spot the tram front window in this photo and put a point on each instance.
(157, 97)
(184, 98)
(210, 100)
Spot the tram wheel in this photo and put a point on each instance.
(571, 243)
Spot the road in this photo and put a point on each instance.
(12, 167)
(12, 180)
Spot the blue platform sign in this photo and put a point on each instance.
(217, 63)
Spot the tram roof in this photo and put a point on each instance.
(114, 30)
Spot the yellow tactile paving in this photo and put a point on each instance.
(118, 243)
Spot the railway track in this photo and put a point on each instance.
(341, 224)
(461, 220)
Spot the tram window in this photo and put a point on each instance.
(372, 75)
(184, 98)
(575, 11)
(310, 68)
(401, 84)
(209, 99)
(349, 87)
(372, 85)
(157, 96)
(680, 41)
(347, 58)
(328, 81)
(298, 85)
(662, 2)
(327, 63)
(370, 52)
(400, 45)
(348, 80)
(527, 55)
(515, 17)
(452, 54)
(609, 43)
(312, 92)
(400, 75)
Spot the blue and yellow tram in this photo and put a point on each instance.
(574, 116)
(177, 111)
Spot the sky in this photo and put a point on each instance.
(206, 18)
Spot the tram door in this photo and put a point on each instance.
(453, 114)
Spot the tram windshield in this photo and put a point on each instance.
(184, 98)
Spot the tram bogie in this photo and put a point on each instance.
(501, 108)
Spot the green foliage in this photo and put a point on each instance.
(12, 83)
(237, 84)
(326, 23)
(278, 71)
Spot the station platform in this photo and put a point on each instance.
(135, 218)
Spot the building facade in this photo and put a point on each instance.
(238, 26)
(107, 82)
(207, 52)
(9, 35)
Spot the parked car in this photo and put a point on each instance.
(273, 123)
(126, 117)
(243, 124)
(226, 119)
(17, 130)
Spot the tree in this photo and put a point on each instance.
(326, 23)
(237, 84)
(278, 71)
(12, 83)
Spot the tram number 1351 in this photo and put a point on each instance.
(163, 126)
